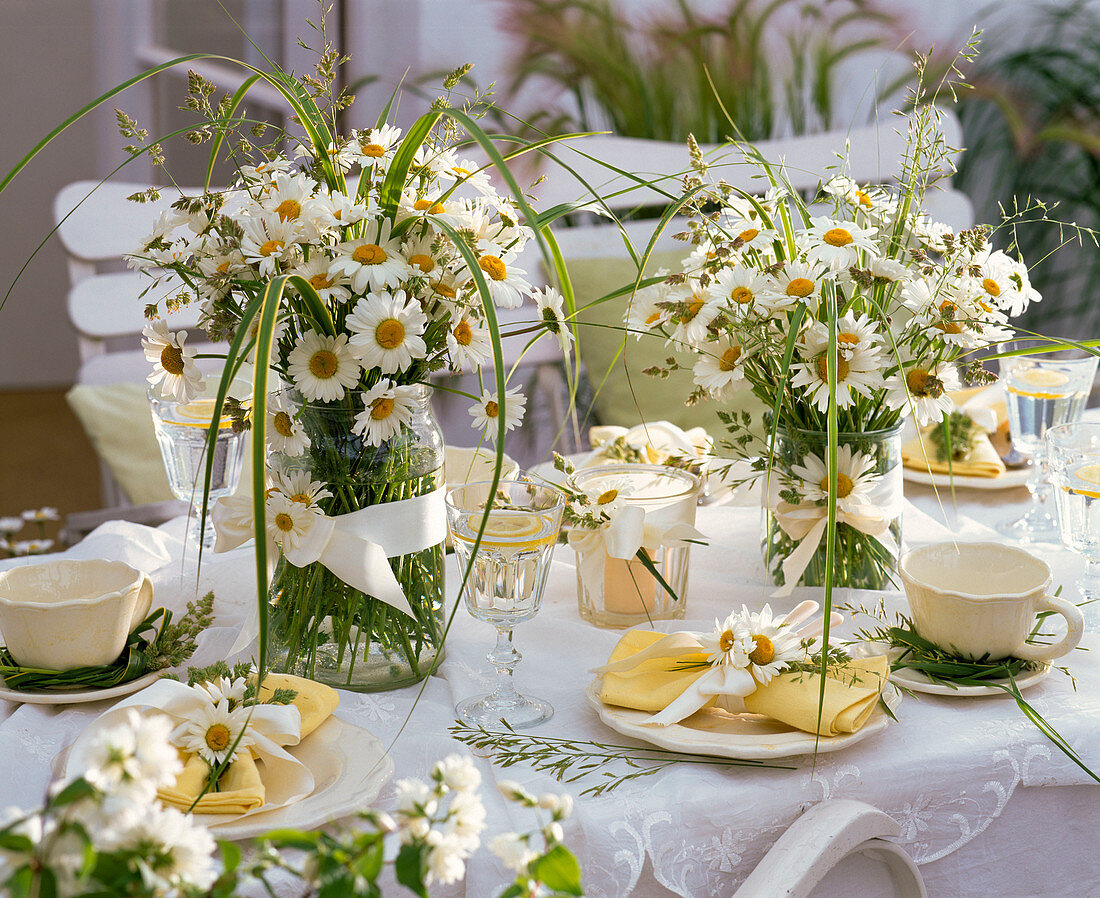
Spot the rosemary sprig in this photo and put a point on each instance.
(570, 760)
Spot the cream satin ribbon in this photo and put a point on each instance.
(631, 529)
(723, 681)
(272, 726)
(806, 522)
(354, 546)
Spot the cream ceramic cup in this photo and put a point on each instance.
(980, 599)
(65, 614)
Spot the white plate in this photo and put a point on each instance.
(73, 696)
(1008, 480)
(907, 678)
(741, 736)
(349, 766)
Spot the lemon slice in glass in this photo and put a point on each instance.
(199, 413)
(1089, 474)
(1041, 380)
(510, 530)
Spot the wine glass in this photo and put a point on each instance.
(182, 429)
(505, 581)
(1073, 456)
(1042, 391)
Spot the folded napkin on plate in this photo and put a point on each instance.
(658, 441)
(241, 788)
(920, 453)
(851, 690)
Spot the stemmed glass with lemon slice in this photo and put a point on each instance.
(1073, 456)
(1042, 391)
(518, 531)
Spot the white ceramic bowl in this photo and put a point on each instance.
(65, 614)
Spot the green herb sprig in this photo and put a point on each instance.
(571, 761)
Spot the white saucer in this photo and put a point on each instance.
(907, 678)
(1008, 480)
(349, 766)
(740, 736)
(74, 696)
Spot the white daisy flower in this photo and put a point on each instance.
(183, 850)
(174, 369)
(470, 346)
(858, 368)
(299, 486)
(387, 407)
(31, 547)
(728, 644)
(420, 255)
(507, 285)
(486, 412)
(266, 170)
(720, 369)
(1002, 283)
(692, 320)
(853, 482)
(224, 688)
(737, 288)
(285, 433)
(270, 243)
(386, 331)
(642, 313)
(330, 287)
(550, 304)
(41, 515)
(289, 195)
(470, 174)
(372, 263)
(888, 271)
(322, 367)
(11, 525)
(333, 209)
(288, 521)
(774, 644)
(837, 243)
(796, 282)
(514, 851)
(922, 388)
(215, 733)
(608, 496)
(375, 147)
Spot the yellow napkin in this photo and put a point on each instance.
(851, 690)
(851, 693)
(241, 787)
(920, 453)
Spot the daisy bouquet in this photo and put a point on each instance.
(348, 269)
(843, 314)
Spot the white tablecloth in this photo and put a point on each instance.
(986, 804)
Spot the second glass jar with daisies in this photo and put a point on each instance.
(382, 502)
(868, 509)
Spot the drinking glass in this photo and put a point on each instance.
(506, 581)
(1073, 456)
(181, 429)
(1042, 391)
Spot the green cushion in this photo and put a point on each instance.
(641, 397)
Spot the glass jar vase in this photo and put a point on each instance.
(623, 592)
(325, 629)
(869, 506)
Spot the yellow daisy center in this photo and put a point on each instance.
(948, 324)
(923, 384)
(461, 172)
(271, 247)
(374, 150)
(432, 208)
(991, 287)
(653, 319)
(283, 425)
(848, 339)
(284, 522)
(607, 496)
(863, 199)
(693, 308)
(741, 295)
(493, 267)
(844, 485)
(727, 640)
(837, 237)
(218, 737)
(464, 334)
(223, 267)
(748, 236)
(369, 254)
(800, 287)
(171, 359)
(289, 210)
(423, 262)
(822, 366)
(729, 358)
(492, 409)
(301, 499)
(323, 364)
(381, 408)
(444, 290)
(320, 282)
(764, 652)
(390, 333)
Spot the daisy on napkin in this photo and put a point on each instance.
(231, 739)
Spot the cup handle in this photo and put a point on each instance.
(1075, 626)
(144, 602)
